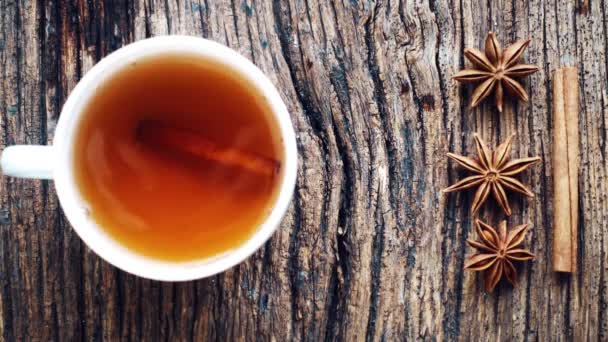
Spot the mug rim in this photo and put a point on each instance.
(76, 208)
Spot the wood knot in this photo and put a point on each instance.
(405, 87)
(427, 102)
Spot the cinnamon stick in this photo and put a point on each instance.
(565, 169)
(157, 133)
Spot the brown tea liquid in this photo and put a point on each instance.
(157, 201)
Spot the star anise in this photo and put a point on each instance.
(493, 173)
(496, 252)
(496, 70)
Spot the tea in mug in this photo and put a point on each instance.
(191, 186)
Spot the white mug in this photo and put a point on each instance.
(56, 161)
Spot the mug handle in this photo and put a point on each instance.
(28, 161)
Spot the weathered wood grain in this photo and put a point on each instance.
(370, 249)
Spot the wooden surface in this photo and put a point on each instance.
(370, 249)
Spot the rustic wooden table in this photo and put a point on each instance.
(370, 249)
